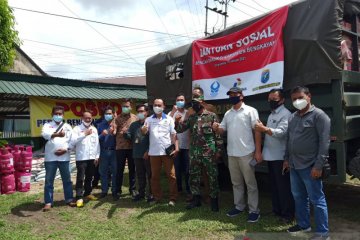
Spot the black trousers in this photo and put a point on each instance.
(282, 199)
(84, 176)
(121, 156)
(143, 173)
(96, 179)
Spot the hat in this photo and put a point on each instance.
(234, 90)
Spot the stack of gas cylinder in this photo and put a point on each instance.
(15, 169)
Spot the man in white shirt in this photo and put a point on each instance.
(162, 134)
(58, 135)
(273, 152)
(85, 140)
(181, 162)
(243, 151)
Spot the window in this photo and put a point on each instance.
(174, 71)
(350, 44)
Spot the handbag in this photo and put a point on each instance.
(170, 149)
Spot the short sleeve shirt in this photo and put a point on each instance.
(239, 125)
(160, 130)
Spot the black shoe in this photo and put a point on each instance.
(138, 198)
(214, 204)
(116, 197)
(297, 229)
(196, 202)
(102, 195)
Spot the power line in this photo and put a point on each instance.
(162, 21)
(261, 5)
(77, 49)
(249, 6)
(241, 11)
(181, 18)
(103, 36)
(98, 22)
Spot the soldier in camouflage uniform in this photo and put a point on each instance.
(205, 148)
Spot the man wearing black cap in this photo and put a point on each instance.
(244, 152)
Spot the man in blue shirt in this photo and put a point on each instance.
(107, 132)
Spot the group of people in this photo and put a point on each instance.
(188, 142)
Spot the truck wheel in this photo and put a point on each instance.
(354, 166)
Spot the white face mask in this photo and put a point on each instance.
(300, 104)
(86, 124)
(158, 110)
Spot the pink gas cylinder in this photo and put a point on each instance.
(22, 180)
(25, 161)
(7, 184)
(16, 152)
(6, 162)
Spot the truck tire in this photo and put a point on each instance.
(354, 166)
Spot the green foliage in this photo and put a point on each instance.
(3, 142)
(8, 36)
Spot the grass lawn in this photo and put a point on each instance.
(21, 218)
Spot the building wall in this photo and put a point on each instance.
(24, 66)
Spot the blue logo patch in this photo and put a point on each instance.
(214, 88)
(265, 75)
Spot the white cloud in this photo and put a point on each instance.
(114, 51)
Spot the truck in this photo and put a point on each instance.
(321, 51)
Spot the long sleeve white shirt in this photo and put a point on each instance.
(86, 147)
(56, 143)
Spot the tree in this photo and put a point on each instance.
(8, 36)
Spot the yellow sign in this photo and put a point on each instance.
(40, 110)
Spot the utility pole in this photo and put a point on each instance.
(217, 11)
(206, 17)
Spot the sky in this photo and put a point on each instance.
(132, 31)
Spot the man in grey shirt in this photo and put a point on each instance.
(308, 141)
(273, 152)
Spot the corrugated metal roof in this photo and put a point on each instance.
(66, 91)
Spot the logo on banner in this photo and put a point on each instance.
(265, 75)
(214, 88)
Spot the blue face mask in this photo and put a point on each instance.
(140, 116)
(108, 117)
(180, 104)
(125, 110)
(57, 118)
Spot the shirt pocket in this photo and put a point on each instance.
(307, 125)
(206, 128)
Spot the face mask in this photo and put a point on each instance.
(158, 110)
(196, 106)
(86, 124)
(274, 104)
(180, 104)
(140, 116)
(234, 100)
(300, 104)
(58, 118)
(108, 117)
(125, 110)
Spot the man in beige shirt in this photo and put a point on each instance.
(124, 146)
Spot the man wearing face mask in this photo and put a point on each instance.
(107, 133)
(124, 147)
(85, 140)
(243, 151)
(308, 141)
(205, 149)
(273, 152)
(140, 152)
(162, 134)
(58, 136)
(181, 162)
